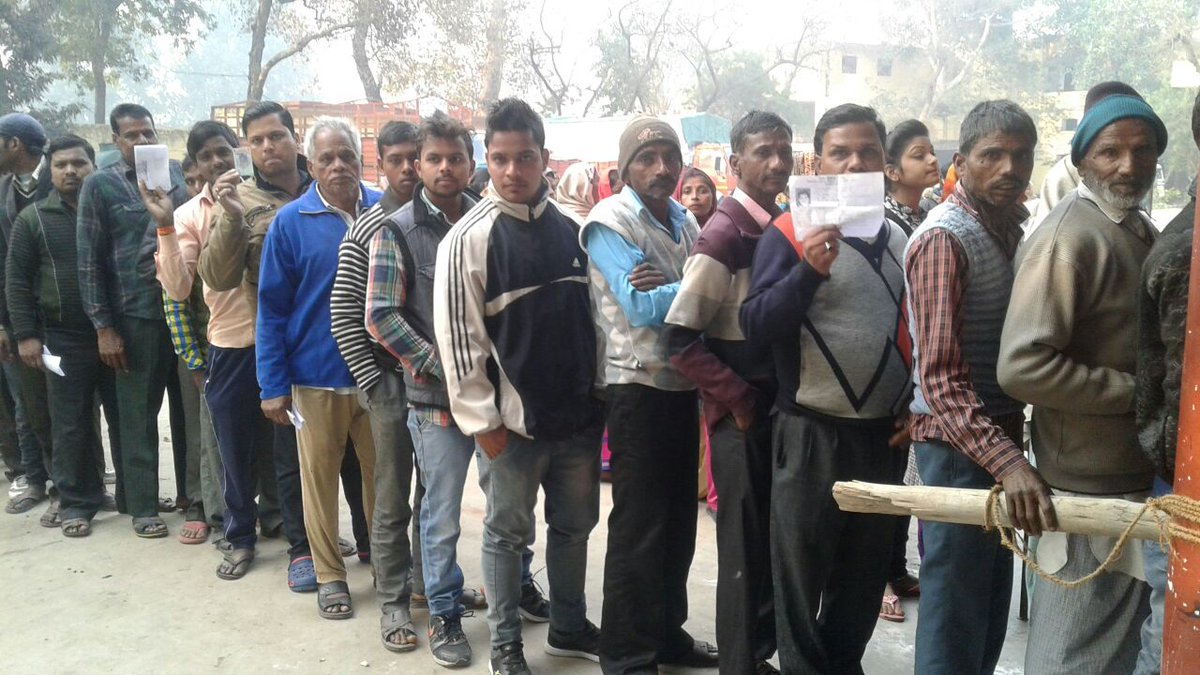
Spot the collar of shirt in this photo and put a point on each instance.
(1110, 211)
(433, 209)
(54, 202)
(27, 182)
(205, 194)
(760, 215)
(1005, 227)
(676, 214)
(348, 217)
(305, 179)
(913, 218)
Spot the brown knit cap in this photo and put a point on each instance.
(640, 132)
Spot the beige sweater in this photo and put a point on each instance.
(1069, 345)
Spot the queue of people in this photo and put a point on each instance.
(331, 334)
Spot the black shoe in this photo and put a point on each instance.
(509, 659)
(582, 645)
(765, 668)
(701, 655)
(534, 606)
(447, 642)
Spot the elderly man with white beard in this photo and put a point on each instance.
(1069, 347)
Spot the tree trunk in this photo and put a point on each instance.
(493, 66)
(359, 44)
(255, 78)
(99, 63)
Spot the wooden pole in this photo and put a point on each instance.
(1076, 515)
(1181, 627)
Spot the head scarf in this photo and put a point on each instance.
(576, 188)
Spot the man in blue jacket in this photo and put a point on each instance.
(300, 371)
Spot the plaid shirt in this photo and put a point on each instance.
(438, 417)
(386, 296)
(116, 244)
(935, 274)
(185, 337)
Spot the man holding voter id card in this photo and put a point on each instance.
(116, 243)
(826, 291)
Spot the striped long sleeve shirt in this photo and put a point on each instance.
(348, 300)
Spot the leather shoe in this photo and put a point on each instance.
(701, 655)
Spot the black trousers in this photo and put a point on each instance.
(829, 566)
(741, 471)
(653, 436)
(77, 465)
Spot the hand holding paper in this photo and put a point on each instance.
(852, 202)
(53, 363)
(152, 166)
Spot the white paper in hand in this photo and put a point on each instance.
(53, 363)
(294, 416)
(852, 202)
(152, 167)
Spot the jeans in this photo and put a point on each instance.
(140, 391)
(1149, 661)
(966, 577)
(568, 471)
(33, 420)
(444, 456)
(391, 552)
(653, 436)
(75, 469)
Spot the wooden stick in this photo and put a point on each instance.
(1076, 515)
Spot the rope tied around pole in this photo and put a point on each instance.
(1183, 524)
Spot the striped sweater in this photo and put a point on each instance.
(348, 299)
(513, 319)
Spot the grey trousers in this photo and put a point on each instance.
(391, 551)
(1094, 629)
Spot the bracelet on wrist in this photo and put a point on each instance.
(164, 231)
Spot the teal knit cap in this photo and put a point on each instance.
(1111, 109)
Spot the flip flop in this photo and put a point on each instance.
(345, 548)
(149, 527)
(302, 575)
(76, 527)
(397, 624)
(51, 518)
(334, 594)
(907, 586)
(235, 564)
(890, 610)
(166, 505)
(194, 532)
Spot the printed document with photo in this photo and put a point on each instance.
(852, 202)
(152, 166)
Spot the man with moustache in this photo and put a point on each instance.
(116, 245)
(967, 432)
(737, 386)
(831, 309)
(229, 262)
(1069, 348)
(652, 413)
(44, 305)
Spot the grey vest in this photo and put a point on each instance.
(989, 287)
(637, 354)
(419, 233)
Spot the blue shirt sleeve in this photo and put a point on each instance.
(615, 257)
(276, 296)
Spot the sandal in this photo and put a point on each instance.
(149, 527)
(331, 596)
(891, 610)
(907, 586)
(51, 517)
(166, 505)
(396, 631)
(235, 564)
(302, 575)
(194, 532)
(25, 500)
(76, 527)
(345, 548)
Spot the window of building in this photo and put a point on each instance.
(1069, 124)
(849, 64)
(883, 67)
